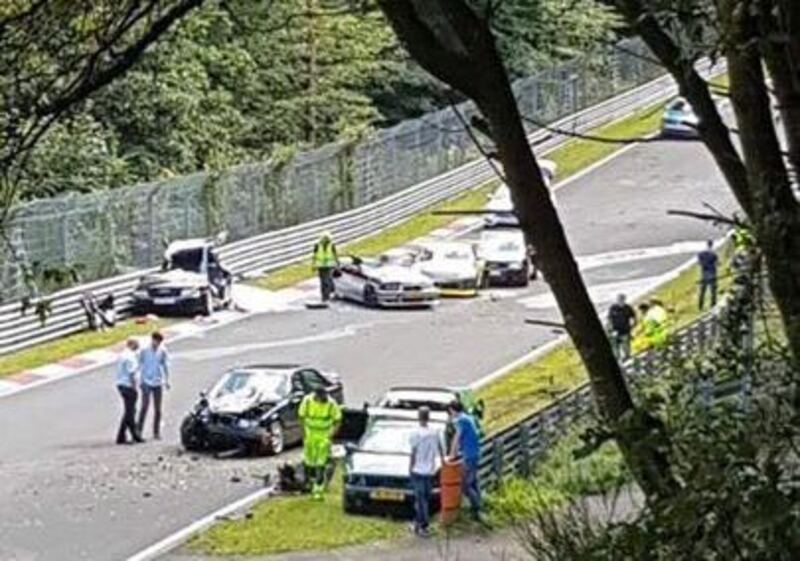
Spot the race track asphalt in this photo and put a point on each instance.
(68, 493)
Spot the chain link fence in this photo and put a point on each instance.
(103, 233)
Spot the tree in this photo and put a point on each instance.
(452, 41)
(753, 35)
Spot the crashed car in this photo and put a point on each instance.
(254, 409)
(389, 281)
(191, 280)
(500, 207)
(376, 475)
(679, 120)
(506, 258)
(454, 267)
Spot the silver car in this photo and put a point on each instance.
(679, 120)
(384, 282)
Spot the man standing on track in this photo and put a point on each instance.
(320, 416)
(621, 319)
(708, 274)
(154, 362)
(426, 447)
(127, 370)
(324, 261)
(467, 446)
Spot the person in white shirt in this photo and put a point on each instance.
(426, 455)
(154, 362)
(127, 372)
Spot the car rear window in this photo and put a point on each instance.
(188, 260)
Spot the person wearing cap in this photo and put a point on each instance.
(324, 260)
(320, 417)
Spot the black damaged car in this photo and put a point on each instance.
(254, 409)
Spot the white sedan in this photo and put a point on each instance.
(454, 267)
(501, 207)
(505, 258)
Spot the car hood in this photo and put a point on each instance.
(238, 403)
(366, 463)
(175, 278)
(396, 273)
(449, 270)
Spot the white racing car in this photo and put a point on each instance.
(454, 267)
(501, 207)
(679, 120)
(389, 281)
(505, 257)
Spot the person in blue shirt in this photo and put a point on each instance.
(125, 378)
(154, 363)
(708, 274)
(466, 445)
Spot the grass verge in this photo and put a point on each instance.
(295, 523)
(72, 345)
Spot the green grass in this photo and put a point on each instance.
(296, 523)
(72, 345)
(404, 232)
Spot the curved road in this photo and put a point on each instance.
(66, 492)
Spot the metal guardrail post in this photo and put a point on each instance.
(497, 461)
(524, 463)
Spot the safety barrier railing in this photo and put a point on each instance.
(516, 449)
(274, 249)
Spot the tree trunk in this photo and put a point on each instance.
(451, 42)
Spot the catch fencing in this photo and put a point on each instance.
(515, 450)
(105, 233)
(273, 249)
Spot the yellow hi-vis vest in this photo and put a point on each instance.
(655, 325)
(324, 256)
(319, 416)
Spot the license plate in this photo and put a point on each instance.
(414, 295)
(387, 495)
(163, 301)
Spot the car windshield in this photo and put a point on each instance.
(187, 260)
(269, 386)
(454, 253)
(391, 437)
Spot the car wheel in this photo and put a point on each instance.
(192, 435)
(207, 303)
(351, 505)
(370, 296)
(277, 439)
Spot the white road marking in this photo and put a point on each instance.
(200, 355)
(638, 254)
(600, 293)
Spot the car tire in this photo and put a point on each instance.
(370, 296)
(526, 276)
(192, 438)
(206, 304)
(277, 438)
(351, 505)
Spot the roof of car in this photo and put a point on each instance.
(184, 245)
(388, 414)
(279, 367)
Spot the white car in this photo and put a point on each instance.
(679, 120)
(501, 207)
(454, 267)
(387, 281)
(505, 258)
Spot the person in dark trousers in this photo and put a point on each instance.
(621, 320)
(154, 361)
(127, 370)
(324, 260)
(466, 445)
(708, 274)
(426, 449)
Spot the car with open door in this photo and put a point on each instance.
(192, 280)
(376, 475)
(254, 409)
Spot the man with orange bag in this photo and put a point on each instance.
(467, 446)
(426, 448)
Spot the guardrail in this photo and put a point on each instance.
(274, 249)
(515, 450)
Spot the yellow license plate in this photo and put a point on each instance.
(387, 495)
